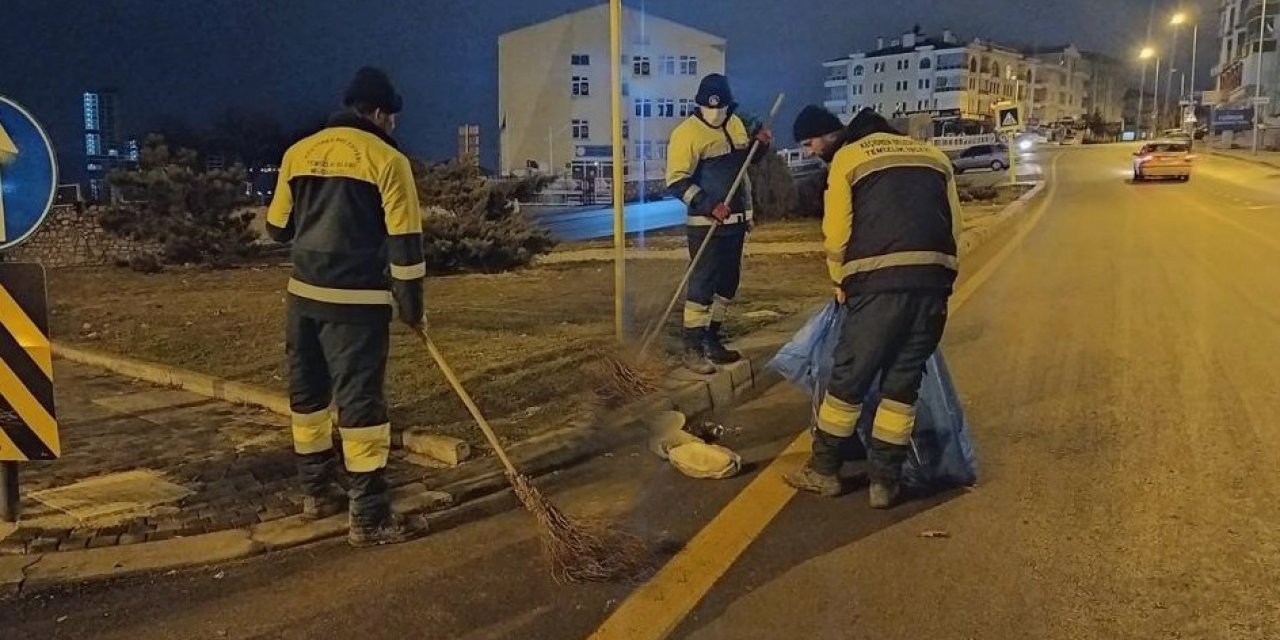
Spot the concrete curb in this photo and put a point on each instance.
(164, 375)
(1253, 161)
(480, 491)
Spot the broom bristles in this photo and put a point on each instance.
(626, 379)
(581, 549)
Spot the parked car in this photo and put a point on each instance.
(1163, 159)
(982, 156)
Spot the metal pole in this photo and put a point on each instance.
(619, 219)
(1257, 87)
(1195, 39)
(1173, 68)
(1155, 91)
(1142, 94)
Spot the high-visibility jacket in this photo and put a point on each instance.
(702, 162)
(347, 200)
(891, 215)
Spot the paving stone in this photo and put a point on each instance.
(100, 541)
(270, 514)
(132, 538)
(73, 543)
(43, 545)
(156, 536)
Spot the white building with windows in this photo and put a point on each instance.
(554, 108)
(953, 81)
(1248, 46)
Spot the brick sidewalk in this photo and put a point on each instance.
(143, 463)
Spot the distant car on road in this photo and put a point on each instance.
(982, 156)
(1163, 159)
(1176, 134)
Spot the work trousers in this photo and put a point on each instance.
(342, 364)
(888, 336)
(714, 281)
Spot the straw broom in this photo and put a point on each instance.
(631, 376)
(578, 549)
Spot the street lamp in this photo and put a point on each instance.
(1146, 54)
(1180, 18)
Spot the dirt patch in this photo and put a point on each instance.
(521, 341)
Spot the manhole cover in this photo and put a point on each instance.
(116, 496)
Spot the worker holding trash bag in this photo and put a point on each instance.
(704, 156)
(347, 200)
(890, 221)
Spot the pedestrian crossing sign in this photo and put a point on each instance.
(1008, 117)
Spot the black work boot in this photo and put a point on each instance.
(820, 474)
(323, 506)
(391, 529)
(695, 355)
(885, 466)
(714, 347)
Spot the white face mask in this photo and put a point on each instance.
(715, 117)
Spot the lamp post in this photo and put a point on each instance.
(1257, 85)
(1146, 54)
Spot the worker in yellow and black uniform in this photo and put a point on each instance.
(347, 201)
(890, 221)
(704, 155)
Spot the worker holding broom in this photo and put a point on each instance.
(704, 156)
(347, 200)
(890, 221)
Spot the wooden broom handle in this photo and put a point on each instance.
(466, 399)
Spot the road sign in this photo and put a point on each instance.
(28, 174)
(28, 428)
(1008, 117)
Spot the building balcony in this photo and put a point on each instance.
(838, 106)
(836, 82)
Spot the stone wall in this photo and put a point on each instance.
(71, 237)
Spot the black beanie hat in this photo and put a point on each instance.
(815, 122)
(372, 88)
(714, 92)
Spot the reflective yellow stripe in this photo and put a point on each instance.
(338, 296)
(690, 193)
(312, 432)
(412, 272)
(837, 417)
(696, 315)
(900, 259)
(366, 449)
(29, 409)
(720, 309)
(894, 422)
(24, 330)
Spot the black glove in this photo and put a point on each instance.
(408, 296)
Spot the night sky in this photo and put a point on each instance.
(291, 58)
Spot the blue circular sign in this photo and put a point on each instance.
(28, 174)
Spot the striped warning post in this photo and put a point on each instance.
(28, 427)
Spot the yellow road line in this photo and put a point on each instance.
(655, 609)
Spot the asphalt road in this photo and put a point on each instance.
(1118, 367)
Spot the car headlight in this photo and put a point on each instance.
(1025, 145)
